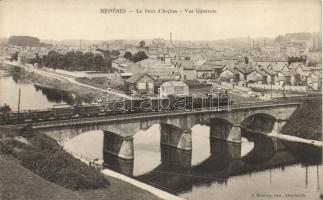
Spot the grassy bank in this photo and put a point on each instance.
(104, 84)
(38, 168)
(306, 122)
(81, 92)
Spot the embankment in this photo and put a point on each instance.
(306, 122)
(36, 167)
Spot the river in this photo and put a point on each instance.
(33, 96)
(259, 168)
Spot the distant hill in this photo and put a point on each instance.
(26, 41)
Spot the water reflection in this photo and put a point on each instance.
(54, 95)
(176, 174)
(32, 96)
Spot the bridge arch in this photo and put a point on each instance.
(261, 122)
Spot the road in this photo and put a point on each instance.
(52, 74)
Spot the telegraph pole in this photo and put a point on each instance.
(271, 84)
(19, 105)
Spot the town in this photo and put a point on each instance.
(160, 100)
(160, 118)
(264, 68)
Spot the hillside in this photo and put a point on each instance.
(306, 122)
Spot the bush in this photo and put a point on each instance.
(5, 149)
(47, 159)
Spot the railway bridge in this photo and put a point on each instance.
(225, 124)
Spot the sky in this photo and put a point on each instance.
(81, 19)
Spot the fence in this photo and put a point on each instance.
(234, 86)
(278, 87)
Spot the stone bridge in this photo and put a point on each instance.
(176, 171)
(175, 126)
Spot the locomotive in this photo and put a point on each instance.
(116, 107)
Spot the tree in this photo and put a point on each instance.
(75, 61)
(297, 59)
(14, 57)
(115, 53)
(280, 39)
(107, 59)
(5, 108)
(139, 56)
(128, 55)
(142, 44)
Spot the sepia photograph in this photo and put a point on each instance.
(161, 100)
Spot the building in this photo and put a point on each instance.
(242, 71)
(158, 69)
(314, 80)
(25, 57)
(280, 79)
(187, 69)
(303, 71)
(140, 83)
(205, 72)
(176, 88)
(123, 65)
(270, 75)
(229, 74)
(214, 65)
(256, 76)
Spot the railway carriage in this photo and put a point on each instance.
(64, 111)
(87, 110)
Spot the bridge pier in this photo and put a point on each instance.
(175, 137)
(224, 130)
(225, 150)
(278, 125)
(124, 166)
(119, 146)
(175, 158)
(235, 134)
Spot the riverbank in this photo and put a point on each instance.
(87, 94)
(37, 167)
(49, 78)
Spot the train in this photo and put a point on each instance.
(117, 107)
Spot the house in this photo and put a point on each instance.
(303, 71)
(278, 67)
(176, 88)
(294, 65)
(158, 69)
(314, 80)
(270, 75)
(123, 65)
(280, 79)
(140, 83)
(242, 71)
(229, 74)
(205, 72)
(256, 76)
(213, 65)
(291, 77)
(187, 68)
